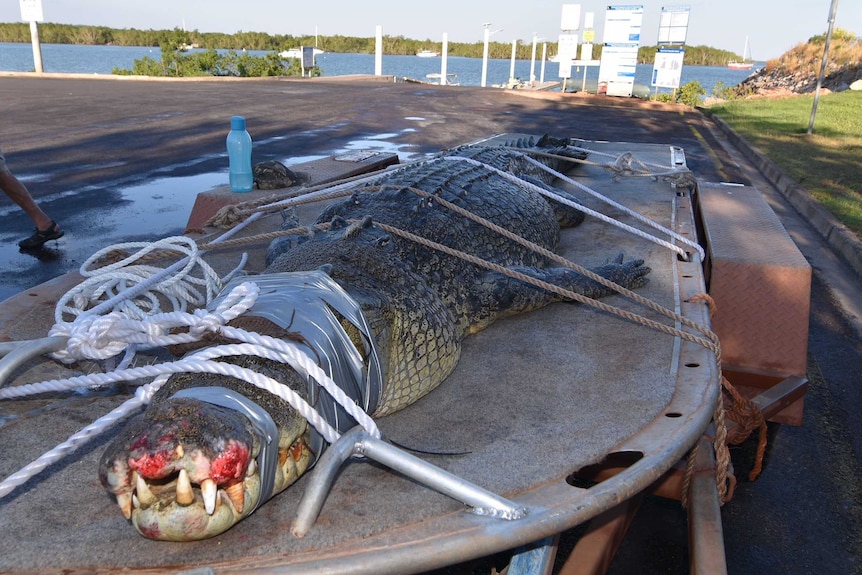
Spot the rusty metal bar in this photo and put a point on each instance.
(776, 398)
(706, 539)
(595, 551)
(535, 559)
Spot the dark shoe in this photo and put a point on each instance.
(40, 237)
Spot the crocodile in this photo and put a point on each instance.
(185, 469)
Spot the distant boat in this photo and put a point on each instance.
(297, 53)
(427, 54)
(746, 63)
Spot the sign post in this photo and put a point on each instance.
(667, 69)
(620, 52)
(31, 11)
(672, 32)
(567, 43)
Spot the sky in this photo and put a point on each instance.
(773, 26)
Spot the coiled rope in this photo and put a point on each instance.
(151, 332)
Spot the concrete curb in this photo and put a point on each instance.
(842, 241)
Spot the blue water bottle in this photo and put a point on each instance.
(239, 156)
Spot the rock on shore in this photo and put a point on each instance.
(796, 71)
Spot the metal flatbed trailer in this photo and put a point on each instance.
(570, 413)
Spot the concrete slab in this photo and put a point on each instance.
(313, 173)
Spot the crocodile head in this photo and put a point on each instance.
(186, 469)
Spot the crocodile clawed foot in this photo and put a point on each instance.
(629, 274)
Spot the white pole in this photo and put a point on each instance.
(833, 9)
(378, 51)
(37, 48)
(485, 54)
(533, 61)
(544, 57)
(443, 57)
(512, 64)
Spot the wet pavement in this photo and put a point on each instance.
(115, 160)
(121, 160)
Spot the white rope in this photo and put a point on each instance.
(200, 362)
(347, 187)
(134, 321)
(572, 204)
(640, 217)
(302, 363)
(625, 157)
(135, 293)
(238, 228)
(258, 345)
(181, 289)
(106, 336)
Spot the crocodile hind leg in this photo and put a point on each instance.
(499, 295)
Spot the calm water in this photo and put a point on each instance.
(103, 59)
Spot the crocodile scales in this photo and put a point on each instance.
(185, 470)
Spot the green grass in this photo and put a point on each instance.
(828, 163)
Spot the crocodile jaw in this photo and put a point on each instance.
(186, 471)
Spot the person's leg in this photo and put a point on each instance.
(46, 229)
(21, 196)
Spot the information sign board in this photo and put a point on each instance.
(571, 17)
(623, 24)
(31, 10)
(667, 69)
(567, 51)
(620, 52)
(618, 68)
(673, 25)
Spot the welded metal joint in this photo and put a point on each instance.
(359, 443)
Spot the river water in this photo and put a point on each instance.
(468, 71)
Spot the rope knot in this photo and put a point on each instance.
(237, 302)
(90, 337)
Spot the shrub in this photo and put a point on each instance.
(723, 92)
(177, 62)
(691, 94)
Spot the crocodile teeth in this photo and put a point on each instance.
(185, 495)
(252, 467)
(145, 496)
(124, 500)
(236, 494)
(209, 490)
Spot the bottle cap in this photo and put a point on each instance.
(237, 123)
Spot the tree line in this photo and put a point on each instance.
(51, 33)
